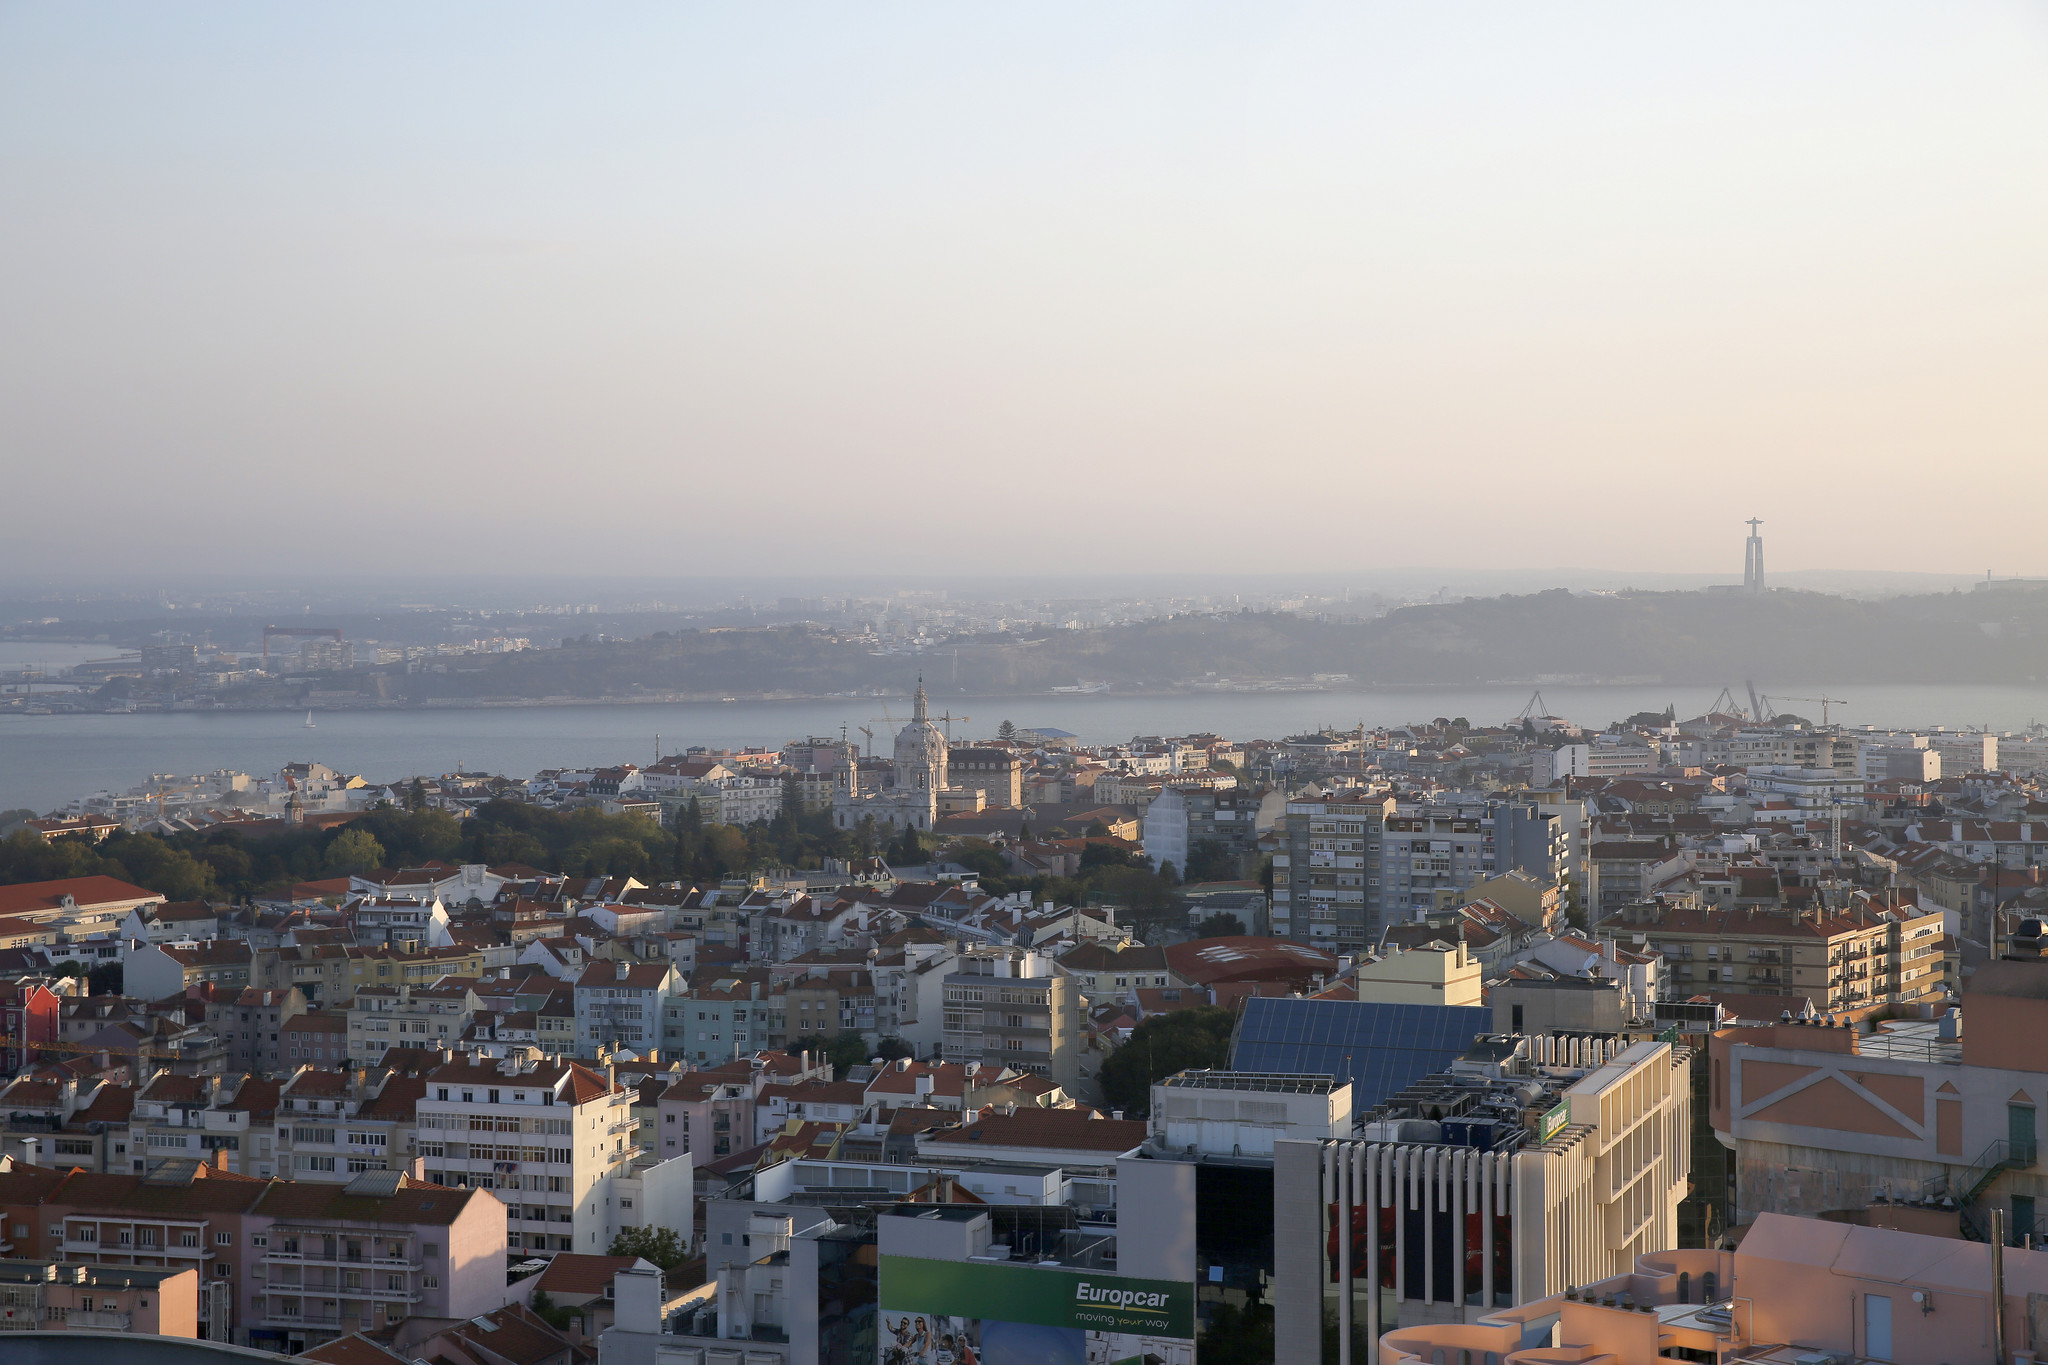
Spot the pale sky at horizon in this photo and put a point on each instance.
(1178, 286)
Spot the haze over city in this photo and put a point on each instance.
(1138, 684)
(1573, 285)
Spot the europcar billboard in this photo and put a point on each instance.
(988, 1313)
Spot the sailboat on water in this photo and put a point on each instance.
(309, 721)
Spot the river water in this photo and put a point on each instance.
(47, 760)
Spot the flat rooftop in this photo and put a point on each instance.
(1268, 1082)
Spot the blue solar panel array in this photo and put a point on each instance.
(1378, 1048)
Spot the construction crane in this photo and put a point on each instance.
(1758, 707)
(1825, 703)
(894, 723)
(869, 731)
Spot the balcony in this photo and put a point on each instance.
(302, 1258)
(106, 1322)
(320, 1322)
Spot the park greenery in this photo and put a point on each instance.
(234, 865)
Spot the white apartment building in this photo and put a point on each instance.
(1013, 1007)
(383, 1017)
(621, 1003)
(1547, 767)
(548, 1136)
(1808, 788)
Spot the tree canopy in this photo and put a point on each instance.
(1159, 1047)
(662, 1246)
(229, 865)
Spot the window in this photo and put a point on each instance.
(431, 1281)
(441, 1092)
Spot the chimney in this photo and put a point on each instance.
(623, 968)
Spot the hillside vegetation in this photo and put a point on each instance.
(1677, 637)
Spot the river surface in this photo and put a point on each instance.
(46, 761)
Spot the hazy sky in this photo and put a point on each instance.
(1037, 286)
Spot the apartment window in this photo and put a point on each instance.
(430, 1281)
(441, 1092)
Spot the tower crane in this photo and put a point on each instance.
(1825, 703)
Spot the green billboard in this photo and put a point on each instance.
(991, 1313)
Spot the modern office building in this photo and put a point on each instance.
(1532, 1164)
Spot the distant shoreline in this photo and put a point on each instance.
(1276, 692)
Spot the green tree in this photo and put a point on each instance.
(1006, 731)
(416, 795)
(890, 1049)
(846, 1051)
(548, 1311)
(1161, 1046)
(353, 850)
(662, 1246)
(1210, 860)
(1220, 925)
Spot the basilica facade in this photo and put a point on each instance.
(911, 798)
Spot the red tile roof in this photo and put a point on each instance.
(27, 897)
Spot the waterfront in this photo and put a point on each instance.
(48, 760)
